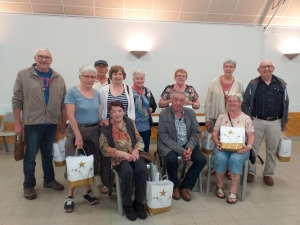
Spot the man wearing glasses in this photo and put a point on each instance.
(101, 67)
(266, 101)
(39, 93)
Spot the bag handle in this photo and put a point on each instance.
(79, 149)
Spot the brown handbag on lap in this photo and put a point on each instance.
(19, 148)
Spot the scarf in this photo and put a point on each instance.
(142, 102)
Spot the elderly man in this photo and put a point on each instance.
(101, 67)
(266, 101)
(178, 131)
(39, 93)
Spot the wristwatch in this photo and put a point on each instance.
(250, 146)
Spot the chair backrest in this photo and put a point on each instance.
(8, 117)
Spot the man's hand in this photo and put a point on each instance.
(79, 142)
(19, 129)
(207, 124)
(187, 153)
(104, 122)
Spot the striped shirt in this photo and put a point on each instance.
(180, 130)
(122, 98)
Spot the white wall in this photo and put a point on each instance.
(198, 48)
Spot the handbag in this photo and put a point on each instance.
(207, 143)
(252, 156)
(159, 196)
(80, 170)
(59, 152)
(284, 149)
(19, 147)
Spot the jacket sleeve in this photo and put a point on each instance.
(18, 98)
(195, 132)
(103, 100)
(207, 102)
(131, 106)
(63, 105)
(165, 137)
(152, 104)
(246, 101)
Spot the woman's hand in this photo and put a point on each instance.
(150, 110)
(104, 122)
(79, 142)
(207, 124)
(126, 155)
(218, 144)
(244, 150)
(135, 155)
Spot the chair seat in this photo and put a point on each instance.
(7, 133)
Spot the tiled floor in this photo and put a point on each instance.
(264, 205)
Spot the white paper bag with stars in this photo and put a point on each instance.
(80, 170)
(159, 196)
(232, 138)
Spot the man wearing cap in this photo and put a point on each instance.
(101, 80)
(39, 96)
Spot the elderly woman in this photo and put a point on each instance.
(191, 100)
(144, 105)
(121, 141)
(82, 104)
(234, 159)
(218, 90)
(116, 90)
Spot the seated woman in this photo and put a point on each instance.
(121, 141)
(234, 159)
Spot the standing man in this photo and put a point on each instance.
(39, 93)
(266, 101)
(101, 80)
(178, 131)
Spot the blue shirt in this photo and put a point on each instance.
(45, 79)
(86, 110)
(142, 122)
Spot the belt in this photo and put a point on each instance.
(268, 118)
(88, 125)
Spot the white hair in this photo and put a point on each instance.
(177, 93)
(138, 72)
(88, 68)
(229, 60)
(42, 49)
(238, 95)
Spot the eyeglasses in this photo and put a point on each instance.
(181, 76)
(265, 67)
(44, 57)
(233, 101)
(87, 77)
(230, 67)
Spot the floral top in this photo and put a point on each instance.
(242, 121)
(189, 91)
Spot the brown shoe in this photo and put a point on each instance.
(185, 194)
(250, 178)
(176, 194)
(268, 181)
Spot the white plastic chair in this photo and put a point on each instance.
(8, 117)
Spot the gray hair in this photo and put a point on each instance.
(238, 95)
(138, 72)
(177, 93)
(266, 60)
(88, 68)
(42, 49)
(229, 60)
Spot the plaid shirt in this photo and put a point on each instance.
(180, 130)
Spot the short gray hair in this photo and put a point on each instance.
(88, 68)
(229, 60)
(42, 49)
(138, 72)
(266, 60)
(177, 93)
(238, 95)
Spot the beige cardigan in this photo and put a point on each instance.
(214, 103)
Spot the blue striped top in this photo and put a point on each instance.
(122, 98)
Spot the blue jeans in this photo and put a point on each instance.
(38, 137)
(146, 138)
(190, 178)
(234, 160)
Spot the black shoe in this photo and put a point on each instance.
(90, 197)
(140, 210)
(130, 213)
(69, 204)
(29, 193)
(54, 185)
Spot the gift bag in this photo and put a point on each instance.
(284, 149)
(232, 138)
(59, 152)
(207, 143)
(80, 170)
(159, 196)
(154, 174)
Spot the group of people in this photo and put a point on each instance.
(116, 118)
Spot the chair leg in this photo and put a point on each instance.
(200, 183)
(208, 173)
(119, 197)
(5, 143)
(112, 180)
(244, 180)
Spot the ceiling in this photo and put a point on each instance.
(250, 12)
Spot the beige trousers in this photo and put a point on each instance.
(272, 132)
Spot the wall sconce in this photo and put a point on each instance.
(291, 47)
(291, 55)
(138, 45)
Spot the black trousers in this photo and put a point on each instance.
(130, 173)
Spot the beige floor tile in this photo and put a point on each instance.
(161, 219)
(22, 209)
(247, 222)
(201, 217)
(16, 219)
(238, 214)
(9, 201)
(267, 221)
(257, 213)
(287, 220)
(182, 218)
(231, 222)
(40, 218)
(220, 215)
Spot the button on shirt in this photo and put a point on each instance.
(268, 99)
(180, 130)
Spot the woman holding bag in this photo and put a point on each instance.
(82, 104)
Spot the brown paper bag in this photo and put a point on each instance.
(19, 148)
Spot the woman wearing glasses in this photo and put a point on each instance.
(180, 77)
(216, 98)
(82, 104)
